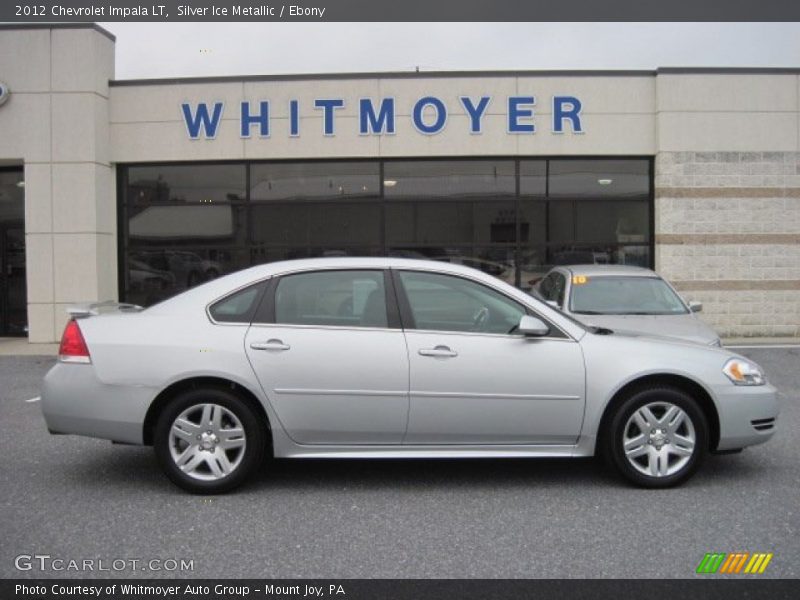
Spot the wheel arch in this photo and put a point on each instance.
(681, 382)
(174, 389)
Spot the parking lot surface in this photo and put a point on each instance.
(74, 499)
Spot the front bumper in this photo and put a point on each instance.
(75, 401)
(747, 415)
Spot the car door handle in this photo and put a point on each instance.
(438, 351)
(270, 345)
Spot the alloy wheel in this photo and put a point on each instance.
(659, 439)
(207, 441)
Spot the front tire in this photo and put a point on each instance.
(657, 437)
(209, 440)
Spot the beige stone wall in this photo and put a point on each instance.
(56, 125)
(728, 234)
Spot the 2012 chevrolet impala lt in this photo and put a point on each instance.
(391, 358)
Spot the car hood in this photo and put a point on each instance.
(685, 327)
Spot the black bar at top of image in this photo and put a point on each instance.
(712, 588)
(66, 11)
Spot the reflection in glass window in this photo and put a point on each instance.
(317, 224)
(436, 222)
(438, 178)
(181, 223)
(533, 178)
(600, 178)
(324, 180)
(612, 221)
(325, 298)
(190, 184)
(12, 195)
(464, 211)
(532, 221)
(155, 274)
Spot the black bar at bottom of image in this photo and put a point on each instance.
(399, 589)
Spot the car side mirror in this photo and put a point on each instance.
(533, 326)
(695, 306)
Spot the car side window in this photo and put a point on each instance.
(559, 287)
(546, 287)
(238, 307)
(338, 298)
(448, 303)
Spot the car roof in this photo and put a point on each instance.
(226, 283)
(202, 295)
(592, 270)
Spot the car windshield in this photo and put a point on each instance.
(624, 296)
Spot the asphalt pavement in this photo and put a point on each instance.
(80, 499)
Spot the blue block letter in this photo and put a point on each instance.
(328, 106)
(566, 107)
(475, 112)
(294, 118)
(517, 112)
(262, 118)
(202, 120)
(381, 123)
(441, 115)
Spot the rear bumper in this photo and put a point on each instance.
(747, 415)
(75, 401)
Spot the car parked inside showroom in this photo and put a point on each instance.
(392, 358)
(625, 298)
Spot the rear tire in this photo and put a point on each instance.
(657, 437)
(209, 440)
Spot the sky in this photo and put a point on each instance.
(147, 50)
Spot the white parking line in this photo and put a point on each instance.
(32, 400)
(782, 346)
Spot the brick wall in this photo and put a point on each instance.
(728, 234)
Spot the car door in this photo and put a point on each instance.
(329, 353)
(473, 380)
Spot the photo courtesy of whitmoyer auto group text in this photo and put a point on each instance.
(382, 300)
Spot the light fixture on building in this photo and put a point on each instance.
(605, 181)
(389, 182)
(21, 184)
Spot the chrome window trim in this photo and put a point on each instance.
(422, 268)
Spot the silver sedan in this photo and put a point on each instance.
(391, 358)
(625, 298)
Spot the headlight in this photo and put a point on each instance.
(744, 372)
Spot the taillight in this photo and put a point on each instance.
(73, 347)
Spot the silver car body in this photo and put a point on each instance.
(687, 326)
(369, 392)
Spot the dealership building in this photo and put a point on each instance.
(135, 190)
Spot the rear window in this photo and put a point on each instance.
(239, 307)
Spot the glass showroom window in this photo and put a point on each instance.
(183, 225)
(598, 211)
(310, 209)
(512, 218)
(458, 211)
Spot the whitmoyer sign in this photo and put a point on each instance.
(378, 117)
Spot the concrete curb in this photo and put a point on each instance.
(21, 347)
